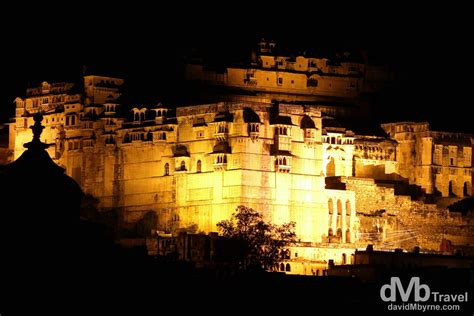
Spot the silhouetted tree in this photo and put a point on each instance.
(265, 242)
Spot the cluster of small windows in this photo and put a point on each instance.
(340, 212)
(222, 128)
(284, 267)
(338, 140)
(282, 130)
(109, 122)
(74, 145)
(110, 108)
(70, 120)
(221, 159)
(88, 125)
(110, 139)
(88, 143)
(161, 136)
(254, 128)
(137, 136)
(139, 116)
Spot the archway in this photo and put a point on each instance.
(450, 188)
(466, 189)
(331, 168)
(198, 166)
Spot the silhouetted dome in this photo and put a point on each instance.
(39, 214)
(307, 122)
(250, 116)
(221, 148)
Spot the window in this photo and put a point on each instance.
(451, 161)
(167, 169)
(348, 207)
(281, 130)
(292, 81)
(288, 267)
(198, 166)
(339, 207)
(183, 166)
(330, 233)
(330, 206)
(348, 235)
(280, 80)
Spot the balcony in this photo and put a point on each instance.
(220, 166)
(221, 136)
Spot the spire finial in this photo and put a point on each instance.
(37, 129)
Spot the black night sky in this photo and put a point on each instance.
(429, 54)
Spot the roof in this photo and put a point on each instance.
(199, 122)
(181, 151)
(307, 122)
(281, 120)
(224, 117)
(250, 116)
(222, 148)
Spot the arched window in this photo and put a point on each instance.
(343, 258)
(198, 166)
(288, 267)
(183, 166)
(330, 233)
(282, 267)
(137, 116)
(348, 235)
(167, 169)
(339, 207)
(142, 116)
(348, 207)
(330, 206)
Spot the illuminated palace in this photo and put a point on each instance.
(194, 165)
(336, 84)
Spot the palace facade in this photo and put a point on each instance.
(192, 166)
